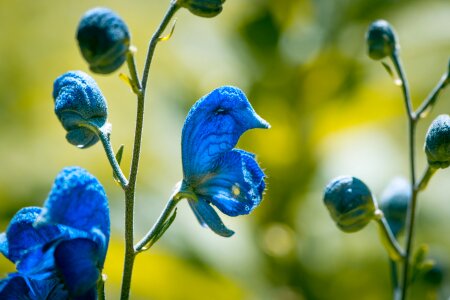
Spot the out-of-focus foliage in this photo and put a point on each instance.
(303, 66)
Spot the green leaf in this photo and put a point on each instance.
(119, 160)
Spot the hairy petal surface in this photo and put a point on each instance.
(207, 216)
(213, 127)
(237, 186)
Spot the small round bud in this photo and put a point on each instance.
(78, 101)
(394, 204)
(437, 142)
(104, 40)
(381, 40)
(203, 8)
(350, 203)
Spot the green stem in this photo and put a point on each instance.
(136, 85)
(173, 7)
(130, 254)
(394, 279)
(431, 99)
(153, 232)
(394, 250)
(103, 135)
(112, 158)
(101, 288)
(411, 214)
(423, 182)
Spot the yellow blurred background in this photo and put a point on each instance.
(303, 66)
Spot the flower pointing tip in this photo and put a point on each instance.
(214, 171)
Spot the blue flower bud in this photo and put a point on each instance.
(104, 40)
(203, 8)
(437, 143)
(381, 40)
(78, 102)
(394, 204)
(350, 203)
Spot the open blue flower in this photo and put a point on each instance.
(59, 250)
(214, 172)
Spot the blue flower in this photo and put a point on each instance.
(213, 171)
(104, 40)
(59, 250)
(79, 101)
(394, 203)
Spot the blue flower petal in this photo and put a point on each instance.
(208, 217)
(22, 236)
(213, 127)
(77, 261)
(14, 288)
(77, 200)
(236, 185)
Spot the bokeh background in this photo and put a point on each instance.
(303, 65)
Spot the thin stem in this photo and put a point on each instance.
(103, 135)
(171, 204)
(404, 83)
(394, 250)
(133, 72)
(411, 214)
(101, 288)
(431, 99)
(112, 158)
(423, 182)
(155, 39)
(394, 278)
(130, 254)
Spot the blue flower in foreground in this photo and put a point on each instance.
(59, 250)
(214, 172)
(79, 101)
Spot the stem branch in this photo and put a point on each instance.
(130, 254)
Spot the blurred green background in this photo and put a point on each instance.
(303, 66)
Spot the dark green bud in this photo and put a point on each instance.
(381, 40)
(437, 142)
(350, 203)
(203, 8)
(394, 204)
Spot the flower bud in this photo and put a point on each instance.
(381, 40)
(437, 142)
(394, 204)
(203, 8)
(104, 40)
(350, 203)
(78, 102)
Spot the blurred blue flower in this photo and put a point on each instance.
(104, 40)
(394, 204)
(79, 101)
(59, 250)
(214, 172)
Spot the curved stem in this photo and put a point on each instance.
(404, 84)
(103, 135)
(423, 182)
(173, 7)
(159, 225)
(431, 99)
(130, 254)
(394, 250)
(133, 72)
